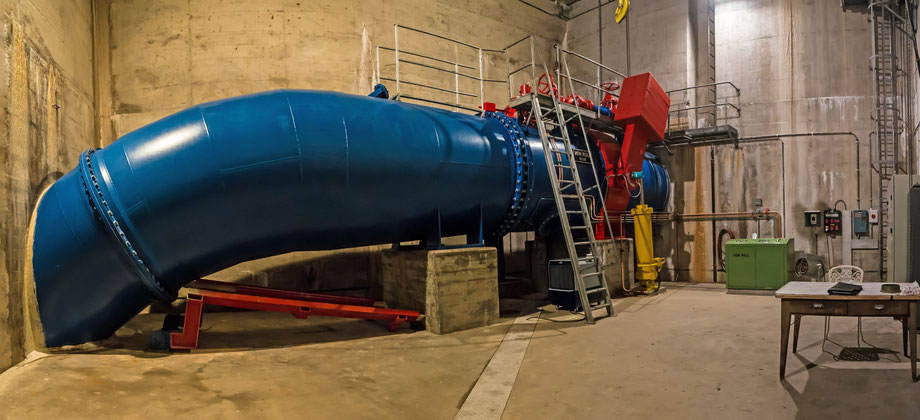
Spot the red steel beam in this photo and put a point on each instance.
(299, 304)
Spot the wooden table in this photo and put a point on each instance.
(800, 298)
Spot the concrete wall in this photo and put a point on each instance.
(806, 68)
(171, 54)
(801, 66)
(71, 81)
(46, 120)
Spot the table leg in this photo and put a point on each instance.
(784, 337)
(795, 333)
(912, 333)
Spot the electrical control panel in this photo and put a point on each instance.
(860, 222)
(832, 222)
(812, 218)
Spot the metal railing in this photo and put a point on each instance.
(600, 71)
(461, 99)
(722, 111)
(529, 59)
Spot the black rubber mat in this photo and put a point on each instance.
(861, 354)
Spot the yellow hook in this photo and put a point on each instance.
(622, 7)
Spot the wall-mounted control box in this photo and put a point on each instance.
(832, 222)
(860, 222)
(812, 218)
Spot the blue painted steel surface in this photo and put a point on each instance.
(657, 185)
(264, 174)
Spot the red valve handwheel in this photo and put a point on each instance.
(545, 83)
(610, 86)
(609, 101)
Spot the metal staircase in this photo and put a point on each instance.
(553, 121)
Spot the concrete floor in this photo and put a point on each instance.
(693, 352)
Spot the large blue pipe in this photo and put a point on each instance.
(264, 174)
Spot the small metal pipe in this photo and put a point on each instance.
(457, 83)
(776, 218)
(482, 96)
(447, 104)
(729, 104)
(508, 67)
(428, 57)
(533, 63)
(472, 95)
(712, 207)
(779, 137)
(589, 60)
(516, 42)
(705, 217)
(448, 71)
(396, 52)
(524, 67)
(737, 90)
(596, 87)
(628, 65)
(440, 36)
(600, 50)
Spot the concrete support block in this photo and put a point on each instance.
(538, 259)
(617, 262)
(456, 289)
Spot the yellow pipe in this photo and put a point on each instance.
(648, 265)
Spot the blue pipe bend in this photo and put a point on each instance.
(265, 174)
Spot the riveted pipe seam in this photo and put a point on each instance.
(101, 206)
(522, 172)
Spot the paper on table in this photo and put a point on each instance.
(910, 289)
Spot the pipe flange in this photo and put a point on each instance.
(521, 172)
(101, 206)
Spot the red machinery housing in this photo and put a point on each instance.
(642, 111)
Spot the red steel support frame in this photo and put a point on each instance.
(642, 111)
(299, 304)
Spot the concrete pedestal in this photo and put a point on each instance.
(456, 289)
(617, 262)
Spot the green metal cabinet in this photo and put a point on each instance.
(762, 264)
